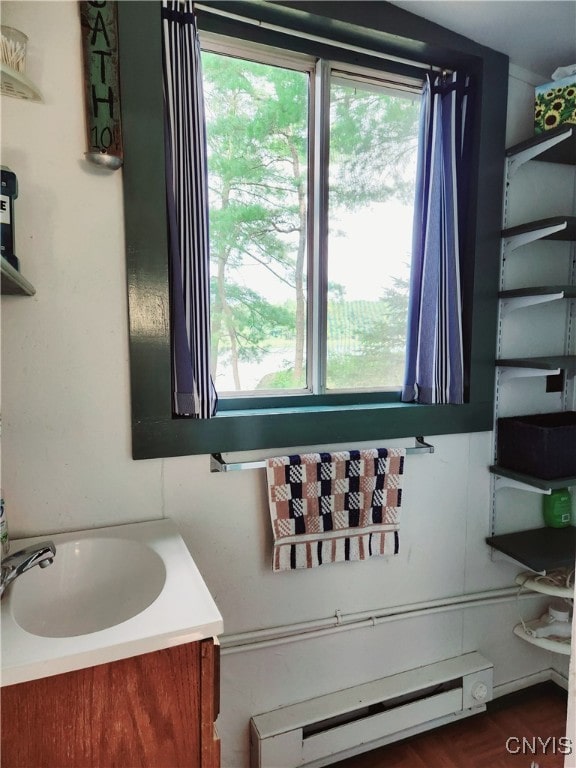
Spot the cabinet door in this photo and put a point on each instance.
(210, 703)
(142, 712)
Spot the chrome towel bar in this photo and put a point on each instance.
(218, 464)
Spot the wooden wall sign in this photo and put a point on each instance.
(98, 20)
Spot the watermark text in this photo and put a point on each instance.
(538, 745)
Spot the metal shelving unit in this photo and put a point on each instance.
(543, 548)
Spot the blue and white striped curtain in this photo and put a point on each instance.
(187, 209)
(434, 362)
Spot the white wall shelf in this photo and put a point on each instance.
(16, 84)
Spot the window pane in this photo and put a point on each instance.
(256, 118)
(372, 167)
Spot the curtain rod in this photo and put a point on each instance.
(218, 464)
(315, 38)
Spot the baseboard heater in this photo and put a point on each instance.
(338, 725)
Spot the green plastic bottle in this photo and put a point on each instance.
(557, 508)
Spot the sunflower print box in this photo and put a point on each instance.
(555, 104)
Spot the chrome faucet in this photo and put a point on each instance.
(15, 565)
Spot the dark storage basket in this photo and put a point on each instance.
(543, 445)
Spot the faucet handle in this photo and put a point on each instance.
(42, 553)
(38, 547)
(16, 564)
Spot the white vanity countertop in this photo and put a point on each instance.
(183, 612)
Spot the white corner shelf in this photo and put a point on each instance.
(548, 584)
(556, 644)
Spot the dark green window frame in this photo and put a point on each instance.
(246, 425)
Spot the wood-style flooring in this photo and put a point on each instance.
(480, 741)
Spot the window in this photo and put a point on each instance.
(310, 260)
(355, 29)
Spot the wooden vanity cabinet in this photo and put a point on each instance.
(156, 710)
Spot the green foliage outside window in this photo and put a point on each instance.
(257, 120)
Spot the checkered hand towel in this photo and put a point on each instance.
(328, 507)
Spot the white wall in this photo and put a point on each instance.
(66, 439)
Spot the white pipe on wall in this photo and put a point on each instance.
(271, 636)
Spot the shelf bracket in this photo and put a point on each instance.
(516, 241)
(507, 482)
(517, 160)
(495, 555)
(519, 302)
(507, 373)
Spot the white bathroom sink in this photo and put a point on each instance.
(110, 593)
(93, 584)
